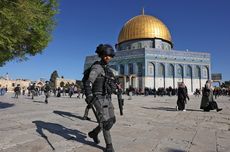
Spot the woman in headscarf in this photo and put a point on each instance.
(182, 95)
(207, 101)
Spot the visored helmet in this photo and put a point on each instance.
(105, 49)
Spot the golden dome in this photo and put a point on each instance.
(144, 26)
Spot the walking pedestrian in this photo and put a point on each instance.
(207, 100)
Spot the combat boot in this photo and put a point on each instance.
(218, 109)
(94, 135)
(109, 148)
(86, 118)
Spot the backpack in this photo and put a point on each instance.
(109, 86)
(86, 73)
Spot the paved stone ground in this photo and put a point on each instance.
(148, 125)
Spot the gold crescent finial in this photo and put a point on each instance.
(143, 11)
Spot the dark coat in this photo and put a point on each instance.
(181, 100)
(207, 97)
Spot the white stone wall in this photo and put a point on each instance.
(188, 83)
(11, 84)
(140, 82)
(149, 82)
(59, 80)
(168, 82)
(159, 82)
(196, 84)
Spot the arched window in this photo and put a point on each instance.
(130, 65)
(179, 71)
(139, 69)
(161, 70)
(205, 72)
(122, 69)
(170, 70)
(189, 71)
(139, 45)
(197, 71)
(150, 68)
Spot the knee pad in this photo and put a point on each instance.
(107, 125)
(114, 120)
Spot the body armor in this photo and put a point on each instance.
(98, 85)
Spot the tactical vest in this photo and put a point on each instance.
(104, 84)
(98, 85)
(110, 82)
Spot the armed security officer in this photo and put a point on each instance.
(47, 89)
(32, 89)
(98, 90)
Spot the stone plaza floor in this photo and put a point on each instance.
(148, 125)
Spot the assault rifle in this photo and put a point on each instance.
(119, 95)
(95, 113)
(90, 105)
(120, 100)
(112, 85)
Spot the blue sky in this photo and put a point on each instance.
(196, 25)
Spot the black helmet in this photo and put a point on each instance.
(105, 49)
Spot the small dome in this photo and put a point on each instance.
(144, 26)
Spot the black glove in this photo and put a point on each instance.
(89, 99)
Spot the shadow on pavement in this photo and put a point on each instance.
(39, 101)
(5, 105)
(194, 110)
(175, 150)
(68, 134)
(28, 98)
(161, 108)
(169, 109)
(69, 115)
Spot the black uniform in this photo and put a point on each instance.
(17, 91)
(32, 90)
(47, 89)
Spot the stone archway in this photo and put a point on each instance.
(197, 77)
(152, 73)
(171, 76)
(161, 75)
(189, 78)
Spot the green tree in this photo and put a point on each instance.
(53, 78)
(25, 27)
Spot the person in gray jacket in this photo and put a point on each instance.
(98, 89)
